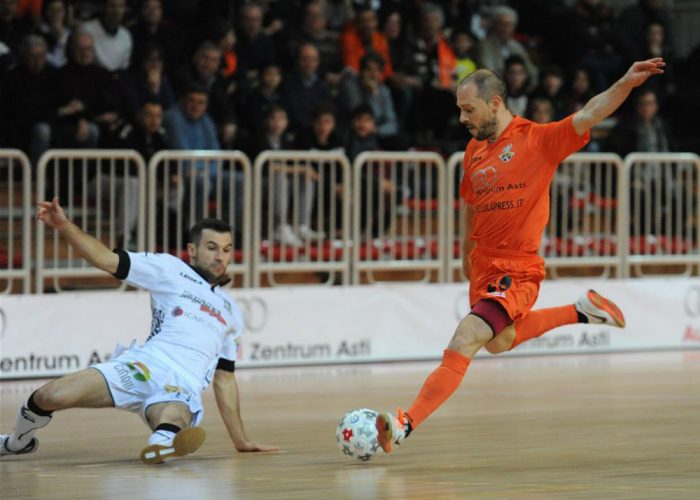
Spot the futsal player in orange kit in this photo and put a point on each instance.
(508, 168)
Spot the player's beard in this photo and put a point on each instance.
(486, 131)
(208, 275)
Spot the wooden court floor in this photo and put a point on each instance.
(595, 426)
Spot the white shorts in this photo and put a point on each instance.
(137, 380)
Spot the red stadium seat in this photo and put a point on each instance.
(275, 252)
(5, 260)
(327, 252)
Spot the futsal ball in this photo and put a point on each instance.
(356, 434)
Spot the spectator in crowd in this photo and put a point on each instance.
(255, 48)
(87, 96)
(540, 110)
(404, 83)
(377, 191)
(304, 88)
(314, 30)
(338, 14)
(323, 136)
(584, 35)
(632, 25)
(146, 135)
(266, 94)
(113, 43)
(436, 64)
(360, 36)
(204, 72)
(551, 87)
(150, 30)
(30, 10)
(221, 33)
(189, 127)
(363, 132)
(656, 46)
(274, 137)
(12, 31)
(500, 43)
(30, 100)
(646, 132)
(368, 88)
(55, 31)
(146, 81)
(684, 106)
(518, 81)
(579, 90)
(463, 46)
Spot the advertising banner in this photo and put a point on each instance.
(50, 335)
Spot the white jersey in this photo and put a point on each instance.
(194, 323)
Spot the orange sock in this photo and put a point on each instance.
(438, 386)
(535, 323)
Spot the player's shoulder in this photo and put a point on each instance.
(162, 259)
(567, 121)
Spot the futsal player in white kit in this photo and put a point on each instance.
(193, 341)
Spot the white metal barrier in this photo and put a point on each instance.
(103, 193)
(15, 220)
(398, 214)
(663, 192)
(186, 186)
(587, 212)
(302, 215)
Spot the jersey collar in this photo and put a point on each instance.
(221, 282)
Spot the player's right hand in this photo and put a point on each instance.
(52, 214)
(253, 446)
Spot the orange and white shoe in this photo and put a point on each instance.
(185, 442)
(392, 430)
(599, 310)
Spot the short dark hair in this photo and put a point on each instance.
(216, 225)
(372, 57)
(324, 108)
(362, 110)
(487, 83)
(272, 109)
(192, 87)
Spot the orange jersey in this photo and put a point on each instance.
(507, 181)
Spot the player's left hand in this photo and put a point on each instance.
(640, 71)
(253, 446)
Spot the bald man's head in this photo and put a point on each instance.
(481, 99)
(487, 84)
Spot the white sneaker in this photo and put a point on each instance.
(185, 442)
(306, 233)
(285, 235)
(392, 430)
(30, 448)
(599, 310)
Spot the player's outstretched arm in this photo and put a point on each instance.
(226, 393)
(604, 104)
(89, 248)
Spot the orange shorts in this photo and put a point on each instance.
(510, 278)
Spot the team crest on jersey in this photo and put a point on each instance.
(507, 154)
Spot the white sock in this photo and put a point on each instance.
(26, 424)
(162, 437)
